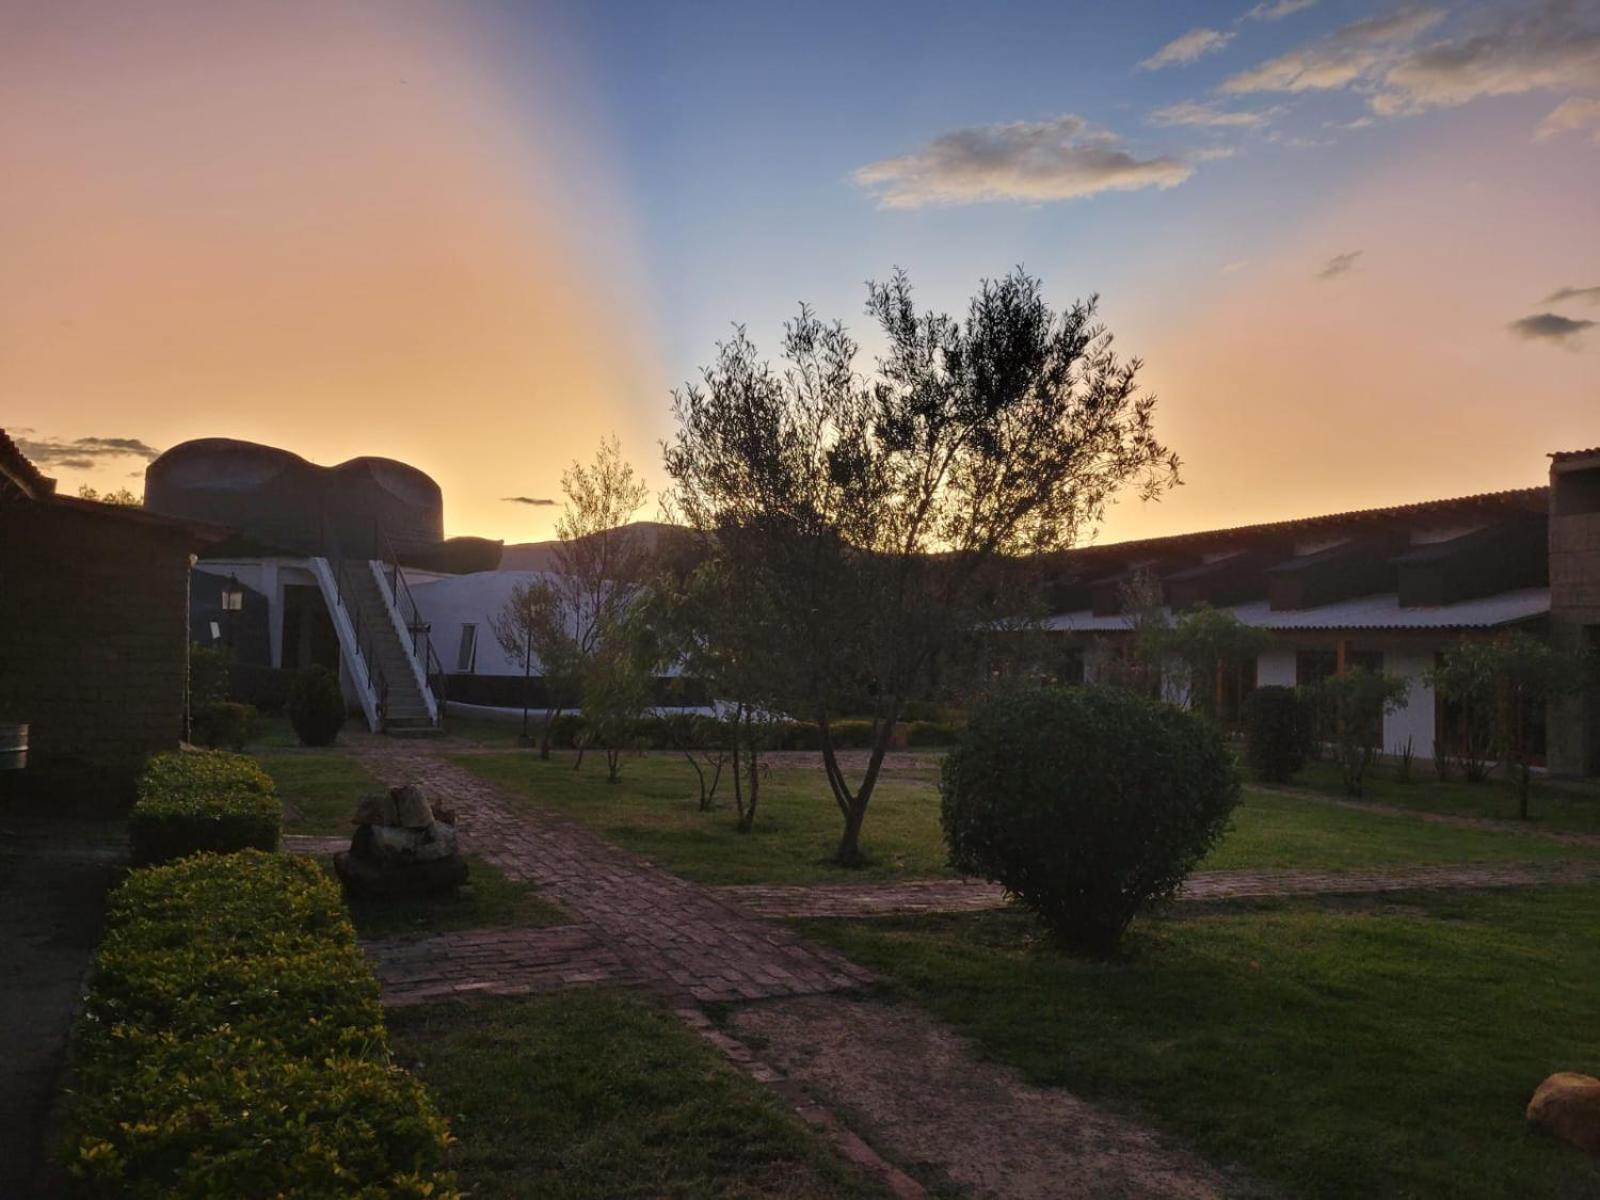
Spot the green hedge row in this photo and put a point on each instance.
(192, 800)
(669, 732)
(232, 1044)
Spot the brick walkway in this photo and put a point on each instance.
(493, 962)
(967, 895)
(685, 940)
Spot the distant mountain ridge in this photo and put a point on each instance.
(654, 536)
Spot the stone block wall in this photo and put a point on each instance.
(1574, 724)
(93, 640)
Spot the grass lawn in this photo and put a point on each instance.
(1569, 806)
(601, 1094)
(654, 812)
(487, 899)
(319, 788)
(1375, 1049)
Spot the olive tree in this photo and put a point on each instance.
(874, 509)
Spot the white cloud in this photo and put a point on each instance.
(1360, 50)
(1572, 115)
(1208, 116)
(1035, 161)
(1555, 46)
(1276, 12)
(1186, 48)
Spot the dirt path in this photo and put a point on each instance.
(971, 895)
(913, 1087)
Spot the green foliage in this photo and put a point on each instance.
(1203, 639)
(316, 706)
(232, 1044)
(210, 671)
(932, 733)
(1087, 804)
(193, 800)
(1499, 685)
(222, 724)
(1277, 729)
(1351, 708)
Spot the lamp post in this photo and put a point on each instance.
(232, 602)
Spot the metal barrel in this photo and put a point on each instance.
(13, 746)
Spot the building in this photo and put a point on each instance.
(1388, 588)
(94, 638)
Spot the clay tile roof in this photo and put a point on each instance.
(1564, 455)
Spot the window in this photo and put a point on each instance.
(466, 657)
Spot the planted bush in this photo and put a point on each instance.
(316, 706)
(232, 1044)
(1277, 732)
(223, 723)
(192, 800)
(1088, 805)
(931, 733)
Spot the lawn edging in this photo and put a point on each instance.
(232, 1043)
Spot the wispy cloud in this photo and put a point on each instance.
(1572, 115)
(1276, 12)
(1338, 264)
(1550, 327)
(1209, 116)
(1033, 161)
(536, 501)
(82, 454)
(1357, 51)
(1186, 48)
(1553, 46)
(1589, 295)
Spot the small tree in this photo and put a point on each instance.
(1502, 684)
(1209, 642)
(600, 569)
(876, 515)
(1354, 705)
(531, 626)
(616, 692)
(1468, 678)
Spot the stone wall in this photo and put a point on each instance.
(1574, 724)
(93, 640)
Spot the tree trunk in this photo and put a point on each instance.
(1522, 789)
(747, 818)
(854, 807)
(550, 717)
(527, 671)
(849, 852)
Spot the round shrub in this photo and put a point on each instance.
(1086, 804)
(1277, 731)
(316, 706)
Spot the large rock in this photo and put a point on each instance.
(392, 844)
(1568, 1105)
(376, 809)
(411, 807)
(378, 878)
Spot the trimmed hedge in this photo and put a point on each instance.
(225, 723)
(232, 1044)
(191, 800)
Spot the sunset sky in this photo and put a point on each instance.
(1357, 243)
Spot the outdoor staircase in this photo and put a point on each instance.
(380, 647)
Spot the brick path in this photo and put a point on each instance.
(493, 962)
(967, 895)
(683, 939)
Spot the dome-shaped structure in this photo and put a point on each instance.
(279, 499)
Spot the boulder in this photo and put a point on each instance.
(376, 809)
(1568, 1105)
(395, 845)
(377, 878)
(441, 813)
(411, 807)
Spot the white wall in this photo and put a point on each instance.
(1275, 667)
(1415, 720)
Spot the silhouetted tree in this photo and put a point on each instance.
(873, 514)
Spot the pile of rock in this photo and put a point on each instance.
(403, 846)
